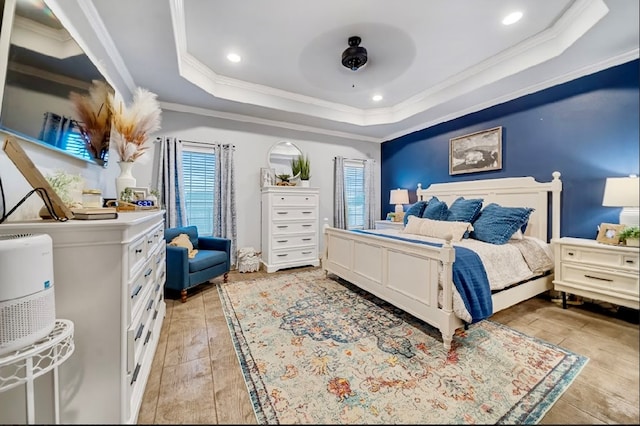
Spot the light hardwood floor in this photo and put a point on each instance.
(196, 377)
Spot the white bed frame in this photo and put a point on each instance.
(405, 274)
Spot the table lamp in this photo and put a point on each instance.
(623, 192)
(399, 197)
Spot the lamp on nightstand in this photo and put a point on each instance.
(623, 192)
(399, 197)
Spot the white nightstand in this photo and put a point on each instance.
(387, 224)
(598, 271)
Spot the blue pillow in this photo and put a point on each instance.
(462, 210)
(496, 224)
(436, 210)
(416, 210)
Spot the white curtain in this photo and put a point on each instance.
(339, 197)
(224, 204)
(167, 177)
(369, 195)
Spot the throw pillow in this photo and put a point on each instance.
(496, 224)
(183, 240)
(435, 210)
(437, 228)
(462, 210)
(415, 210)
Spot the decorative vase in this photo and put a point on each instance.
(304, 183)
(125, 179)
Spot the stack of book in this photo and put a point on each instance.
(95, 213)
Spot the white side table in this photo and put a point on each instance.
(31, 362)
(387, 224)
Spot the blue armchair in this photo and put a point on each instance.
(211, 260)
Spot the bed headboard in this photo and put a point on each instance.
(509, 192)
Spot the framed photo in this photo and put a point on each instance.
(609, 233)
(476, 152)
(267, 177)
(140, 193)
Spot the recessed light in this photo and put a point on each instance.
(234, 57)
(512, 18)
(376, 98)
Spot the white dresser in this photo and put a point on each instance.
(109, 280)
(289, 227)
(598, 271)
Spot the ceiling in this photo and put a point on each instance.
(431, 60)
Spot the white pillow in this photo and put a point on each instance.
(436, 228)
(517, 235)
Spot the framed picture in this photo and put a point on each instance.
(609, 233)
(267, 177)
(140, 193)
(476, 152)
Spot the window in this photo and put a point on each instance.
(198, 169)
(354, 193)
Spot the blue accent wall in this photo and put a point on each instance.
(587, 129)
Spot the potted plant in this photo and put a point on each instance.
(631, 236)
(284, 179)
(301, 165)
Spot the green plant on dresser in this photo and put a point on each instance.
(630, 235)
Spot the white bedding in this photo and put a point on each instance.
(504, 264)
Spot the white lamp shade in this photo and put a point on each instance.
(621, 192)
(399, 196)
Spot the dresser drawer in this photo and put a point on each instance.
(293, 213)
(137, 252)
(600, 279)
(606, 258)
(293, 241)
(280, 228)
(294, 255)
(154, 238)
(295, 200)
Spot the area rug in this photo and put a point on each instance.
(316, 350)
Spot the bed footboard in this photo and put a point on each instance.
(401, 273)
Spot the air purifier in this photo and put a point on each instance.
(27, 303)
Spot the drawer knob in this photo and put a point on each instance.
(138, 250)
(306, 252)
(282, 255)
(283, 212)
(135, 374)
(306, 239)
(570, 253)
(283, 226)
(282, 241)
(630, 262)
(136, 291)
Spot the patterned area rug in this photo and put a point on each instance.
(317, 351)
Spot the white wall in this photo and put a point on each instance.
(252, 144)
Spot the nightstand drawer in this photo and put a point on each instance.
(592, 257)
(600, 279)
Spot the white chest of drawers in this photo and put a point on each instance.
(109, 280)
(597, 271)
(289, 227)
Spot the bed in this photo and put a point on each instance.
(418, 276)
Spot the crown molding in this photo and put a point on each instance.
(575, 22)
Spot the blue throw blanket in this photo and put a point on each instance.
(469, 277)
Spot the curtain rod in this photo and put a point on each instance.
(196, 142)
(354, 159)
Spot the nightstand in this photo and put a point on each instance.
(387, 224)
(598, 271)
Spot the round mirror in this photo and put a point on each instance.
(280, 156)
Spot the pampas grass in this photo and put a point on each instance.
(94, 118)
(133, 124)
